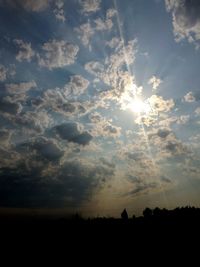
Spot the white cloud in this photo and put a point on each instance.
(183, 119)
(35, 121)
(114, 42)
(58, 54)
(103, 25)
(110, 71)
(189, 97)
(20, 88)
(90, 6)
(103, 126)
(5, 136)
(3, 73)
(197, 111)
(25, 52)
(85, 32)
(76, 86)
(159, 104)
(155, 82)
(107, 24)
(185, 19)
(59, 10)
(29, 5)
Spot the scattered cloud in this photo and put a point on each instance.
(161, 105)
(197, 111)
(155, 82)
(9, 107)
(3, 73)
(57, 54)
(185, 19)
(59, 10)
(42, 147)
(31, 122)
(85, 32)
(72, 132)
(20, 88)
(90, 6)
(107, 24)
(25, 51)
(76, 86)
(5, 137)
(29, 5)
(189, 97)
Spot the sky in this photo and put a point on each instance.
(99, 105)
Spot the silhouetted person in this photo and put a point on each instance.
(124, 215)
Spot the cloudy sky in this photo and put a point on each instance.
(99, 105)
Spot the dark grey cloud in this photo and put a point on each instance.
(163, 133)
(142, 188)
(71, 132)
(186, 19)
(41, 149)
(69, 185)
(29, 5)
(9, 107)
(165, 179)
(48, 149)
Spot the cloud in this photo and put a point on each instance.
(183, 119)
(185, 19)
(25, 51)
(197, 111)
(29, 5)
(20, 88)
(45, 148)
(95, 68)
(111, 130)
(72, 132)
(159, 104)
(9, 107)
(163, 132)
(54, 100)
(103, 127)
(5, 137)
(142, 188)
(112, 72)
(34, 185)
(90, 6)
(189, 97)
(165, 179)
(3, 73)
(18, 92)
(76, 86)
(167, 145)
(59, 10)
(37, 121)
(107, 24)
(85, 32)
(58, 54)
(155, 82)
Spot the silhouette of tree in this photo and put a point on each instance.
(124, 215)
(147, 213)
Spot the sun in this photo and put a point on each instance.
(131, 99)
(139, 106)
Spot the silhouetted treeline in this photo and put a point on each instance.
(153, 223)
(178, 214)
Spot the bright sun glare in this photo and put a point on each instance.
(132, 100)
(139, 106)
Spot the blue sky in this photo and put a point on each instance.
(99, 105)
